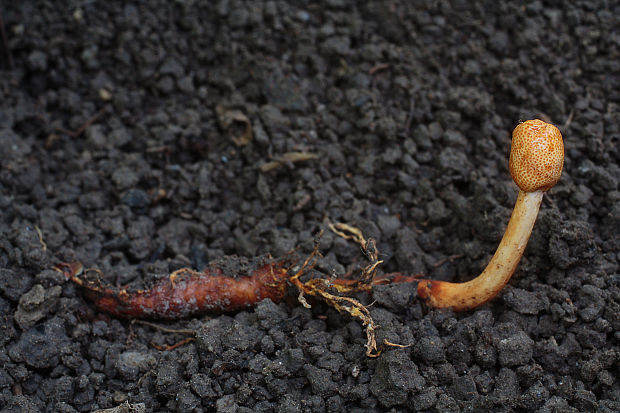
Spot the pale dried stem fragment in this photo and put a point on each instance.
(333, 293)
(287, 158)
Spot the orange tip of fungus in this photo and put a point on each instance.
(536, 155)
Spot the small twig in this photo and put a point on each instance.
(302, 203)
(40, 234)
(354, 234)
(165, 329)
(569, 120)
(390, 344)
(287, 158)
(81, 129)
(170, 347)
(160, 148)
(378, 68)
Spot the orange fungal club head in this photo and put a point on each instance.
(536, 155)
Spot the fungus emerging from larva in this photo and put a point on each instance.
(536, 160)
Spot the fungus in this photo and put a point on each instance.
(536, 160)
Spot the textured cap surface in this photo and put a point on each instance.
(536, 155)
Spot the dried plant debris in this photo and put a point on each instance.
(235, 123)
(287, 159)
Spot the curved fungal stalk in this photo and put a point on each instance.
(536, 160)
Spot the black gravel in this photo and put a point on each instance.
(122, 128)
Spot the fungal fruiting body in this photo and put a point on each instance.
(536, 160)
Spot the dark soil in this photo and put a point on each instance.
(120, 147)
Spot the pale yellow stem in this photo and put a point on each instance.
(468, 295)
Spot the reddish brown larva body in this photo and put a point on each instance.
(186, 292)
